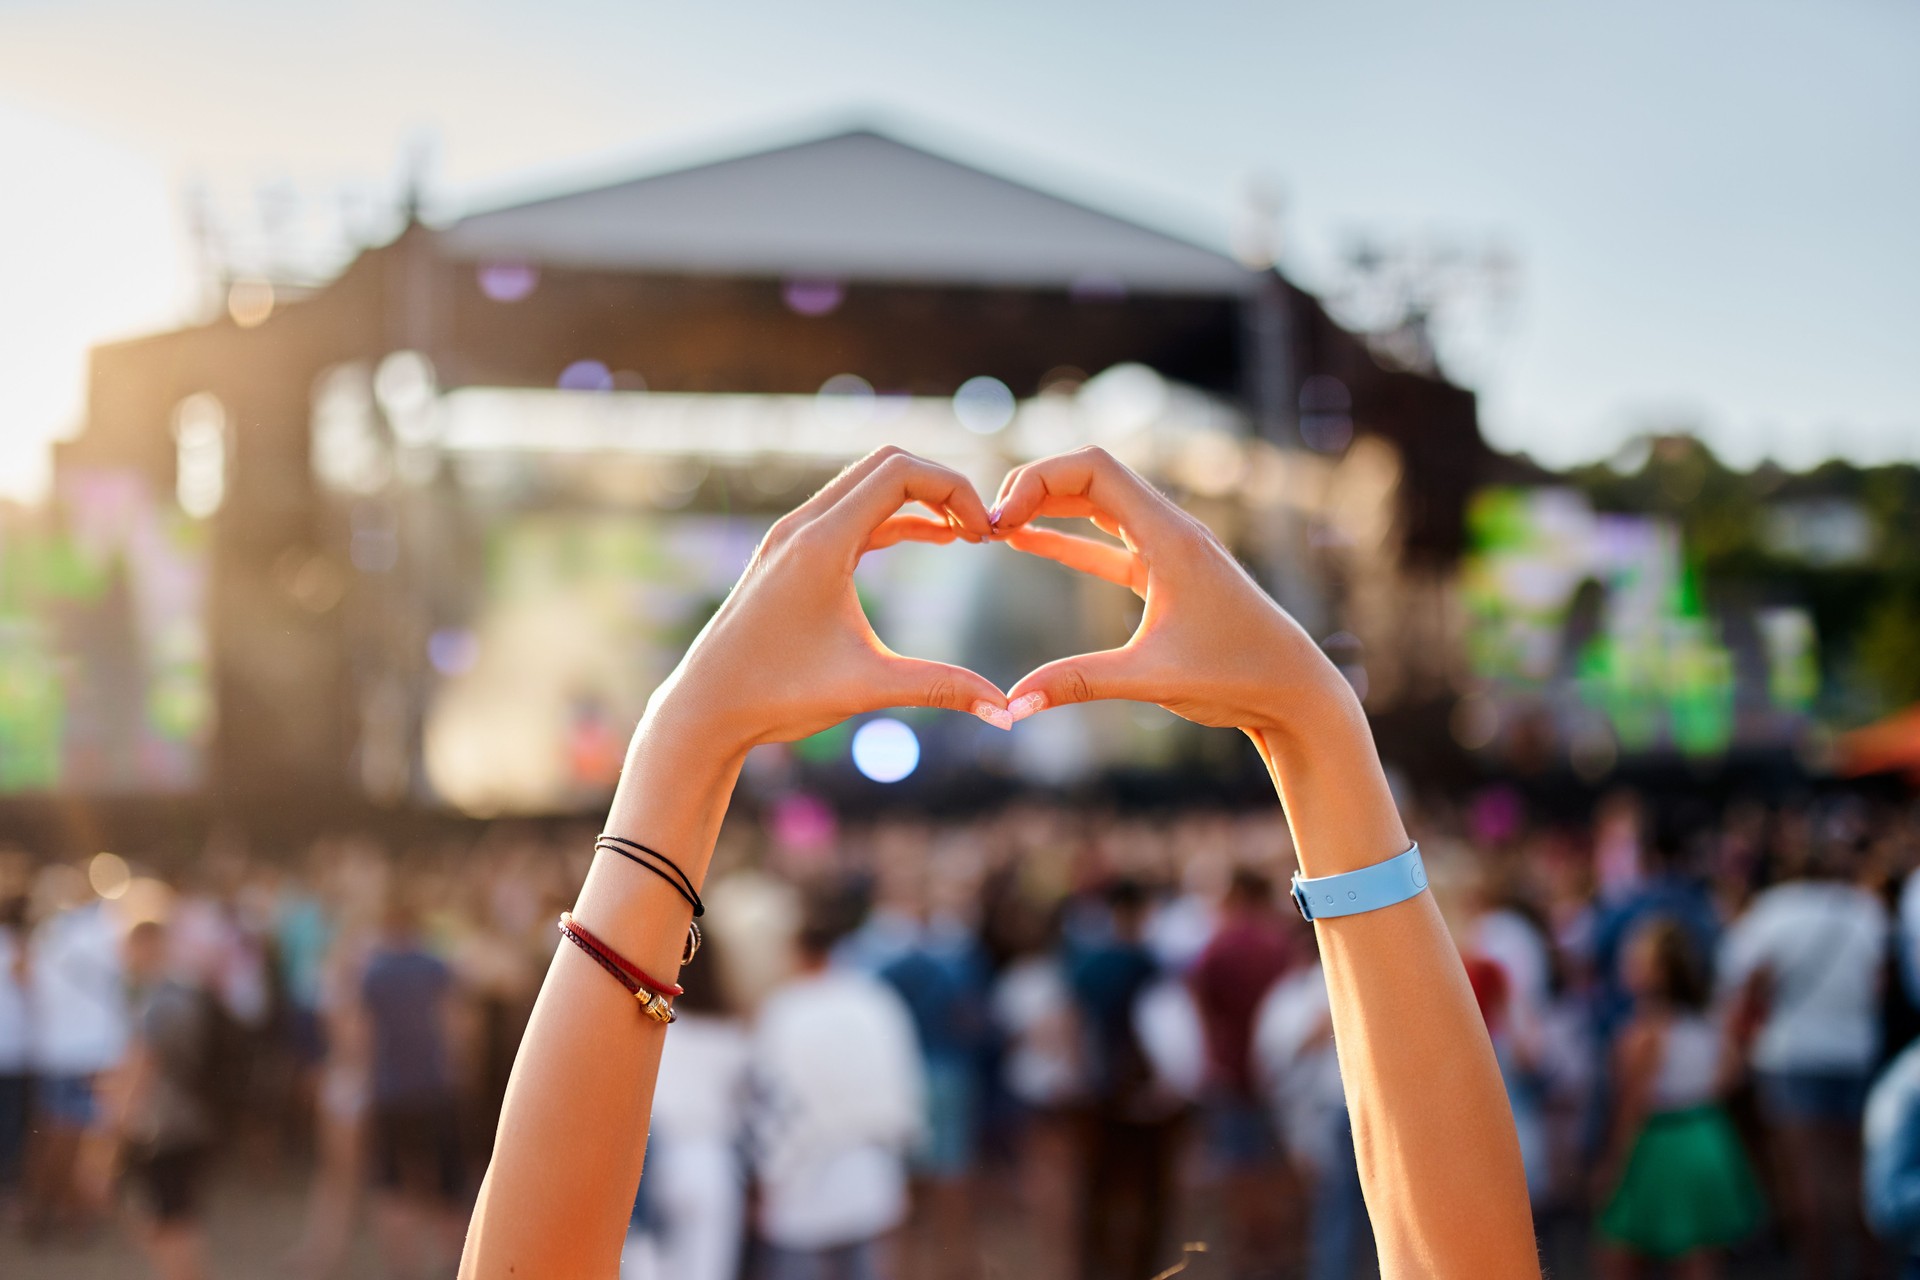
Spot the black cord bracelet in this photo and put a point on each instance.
(632, 850)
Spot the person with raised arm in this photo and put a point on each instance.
(790, 653)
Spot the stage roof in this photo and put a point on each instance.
(854, 206)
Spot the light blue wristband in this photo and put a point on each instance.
(1370, 888)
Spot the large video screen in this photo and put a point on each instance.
(1597, 626)
(580, 617)
(104, 683)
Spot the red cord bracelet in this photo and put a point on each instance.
(652, 994)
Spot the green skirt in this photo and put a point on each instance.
(1687, 1187)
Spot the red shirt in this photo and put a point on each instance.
(1248, 952)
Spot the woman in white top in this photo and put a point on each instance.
(1674, 1181)
(1809, 955)
(790, 653)
(696, 1184)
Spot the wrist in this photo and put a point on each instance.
(1305, 699)
(675, 784)
(692, 725)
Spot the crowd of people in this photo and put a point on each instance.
(1066, 1039)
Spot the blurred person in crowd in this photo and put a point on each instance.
(1129, 1126)
(838, 1104)
(1299, 1073)
(1891, 1175)
(163, 1118)
(1803, 969)
(1181, 926)
(342, 1097)
(1674, 1180)
(79, 1018)
(1042, 1070)
(1518, 1051)
(1641, 882)
(1251, 947)
(407, 999)
(695, 1184)
(216, 930)
(1502, 929)
(16, 1078)
(1898, 852)
(303, 931)
(1508, 965)
(940, 972)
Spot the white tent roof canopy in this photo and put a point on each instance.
(854, 206)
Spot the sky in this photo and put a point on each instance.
(1714, 205)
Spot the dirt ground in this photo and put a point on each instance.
(253, 1221)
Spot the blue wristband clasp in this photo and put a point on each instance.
(1352, 893)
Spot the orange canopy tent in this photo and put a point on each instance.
(1891, 745)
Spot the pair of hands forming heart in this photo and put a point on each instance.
(791, 652)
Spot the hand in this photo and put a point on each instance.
(1211, 646)
(791, 652)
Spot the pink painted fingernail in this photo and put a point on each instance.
(993, 517)
(995, 716)
(1025, 705)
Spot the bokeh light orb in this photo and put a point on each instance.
(984, 405)
(109, 875)
(586, 375)
(1326, 414)
(813, 295)
(885, 750)
(508, 281)
(250, 302)
(453, 651)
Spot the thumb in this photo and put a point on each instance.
(1085, 677)
(916, 682)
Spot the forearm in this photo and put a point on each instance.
(573, 1128)
(1433, 1131)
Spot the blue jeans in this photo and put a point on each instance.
(15, 1096)
(1809, 1097)
(67, 1100)
(1339, 1212)
(860, 1261)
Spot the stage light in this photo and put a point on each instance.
(586, 375)
(812, 296)
(508, 281)
(885, 750)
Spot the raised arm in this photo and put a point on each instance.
(788, 654)
(1439, 1160)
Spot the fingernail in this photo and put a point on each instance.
(998, 717)
(993, 517)
(1025, 705)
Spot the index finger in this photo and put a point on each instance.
(901, 479)
(1060, 484)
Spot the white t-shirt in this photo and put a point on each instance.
(1511, 942)
(839, 1093)
(1823, 943)
(15, 1030)
(1297, 1066)
(694, 1173)
(79, 1004)
(1032, 1005)
(701, 1092)
(1910, 935)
